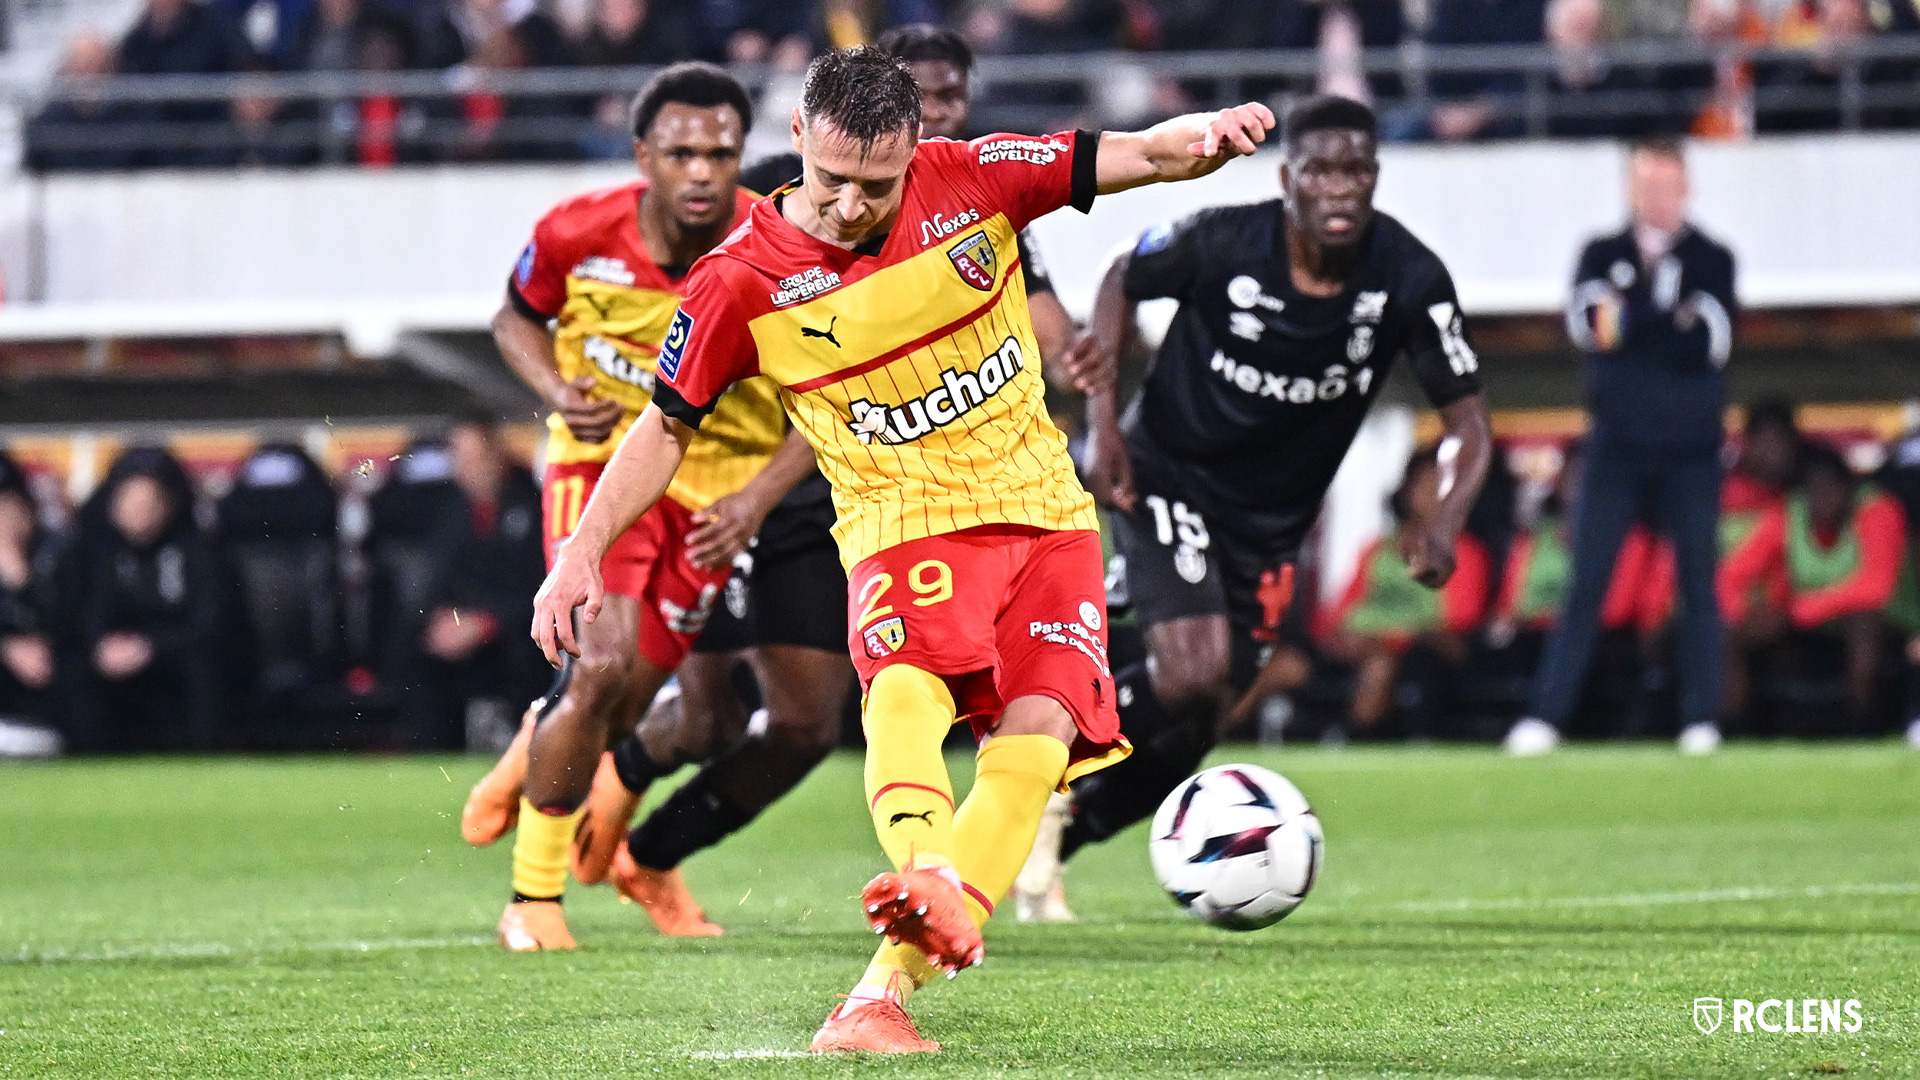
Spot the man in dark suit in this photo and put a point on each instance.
(1653, 310)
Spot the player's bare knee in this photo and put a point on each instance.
(803, 733)
(1037, 714)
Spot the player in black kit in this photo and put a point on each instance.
(1291, 313)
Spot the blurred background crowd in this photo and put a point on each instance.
(1439, 69)
(239, 594)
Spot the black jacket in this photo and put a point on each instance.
(1655, 374)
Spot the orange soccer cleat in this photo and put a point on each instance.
(924, 910)
(663, 895)
(876, 1025)
(493, 806)
(533, 925)
(603, 828)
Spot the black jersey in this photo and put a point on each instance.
(1258, 389)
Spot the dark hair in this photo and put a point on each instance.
(1776, 413)
(864, 93)
(695, 83)
(13, 478)
(1816, 457)
(923, 41)
(1329, 112)
(1664, 146)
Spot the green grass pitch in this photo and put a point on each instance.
(1478, 917)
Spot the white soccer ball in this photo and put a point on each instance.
(1237, 846)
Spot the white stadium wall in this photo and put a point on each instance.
(1816, 220)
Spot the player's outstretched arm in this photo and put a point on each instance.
(1466, 449)
(637, 476)
(1182, 148)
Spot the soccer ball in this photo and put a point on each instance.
(1237, 846)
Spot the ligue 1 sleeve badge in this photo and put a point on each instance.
(973, 257)
(885, 637)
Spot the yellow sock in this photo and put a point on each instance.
(993, 831)
(907, 715)
(995, 827)
(540, 851)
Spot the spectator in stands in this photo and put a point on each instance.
(499, 127)
(268, 130)
(492, 562)
(777, 32)
(1475, 105)
(28, 608)
(335, 34)
(184, 37)
(76, 132)
(1838, 546)
(1653, 311)
(1576, 31)
(150, 614)
(632, 32)
(1033, 27)
(629, 32)
(1404, 640)
(473, 31)
(385, 129)
(846, 23)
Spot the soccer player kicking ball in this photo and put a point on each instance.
(883, 295)
(1292, 311)
(607, 270)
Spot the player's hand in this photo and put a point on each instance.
(1109, 470)
(724, 530)
(1429, 554)
(574, 582)
(1091, 365)
(1234, 132)
(591, 420)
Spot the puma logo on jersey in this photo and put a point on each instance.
(958, 394)
(808, 331)
(926, 816)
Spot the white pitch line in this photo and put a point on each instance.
(1704, 896)
(737, 1055)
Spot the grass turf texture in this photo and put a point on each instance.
(1478, 917)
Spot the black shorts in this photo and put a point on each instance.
(788, 589)
(1176, 565)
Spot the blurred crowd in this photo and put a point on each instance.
(1730, 97)
(295, 610)
(1816, 584)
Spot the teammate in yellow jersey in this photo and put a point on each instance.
(607, 270)
(883, 292)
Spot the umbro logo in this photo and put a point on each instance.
(926, 816)
(808, 331)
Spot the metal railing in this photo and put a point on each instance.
(549, 113)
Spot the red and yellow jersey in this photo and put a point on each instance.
(588, 269)
(910, 363)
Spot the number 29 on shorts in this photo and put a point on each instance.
(931, 582)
